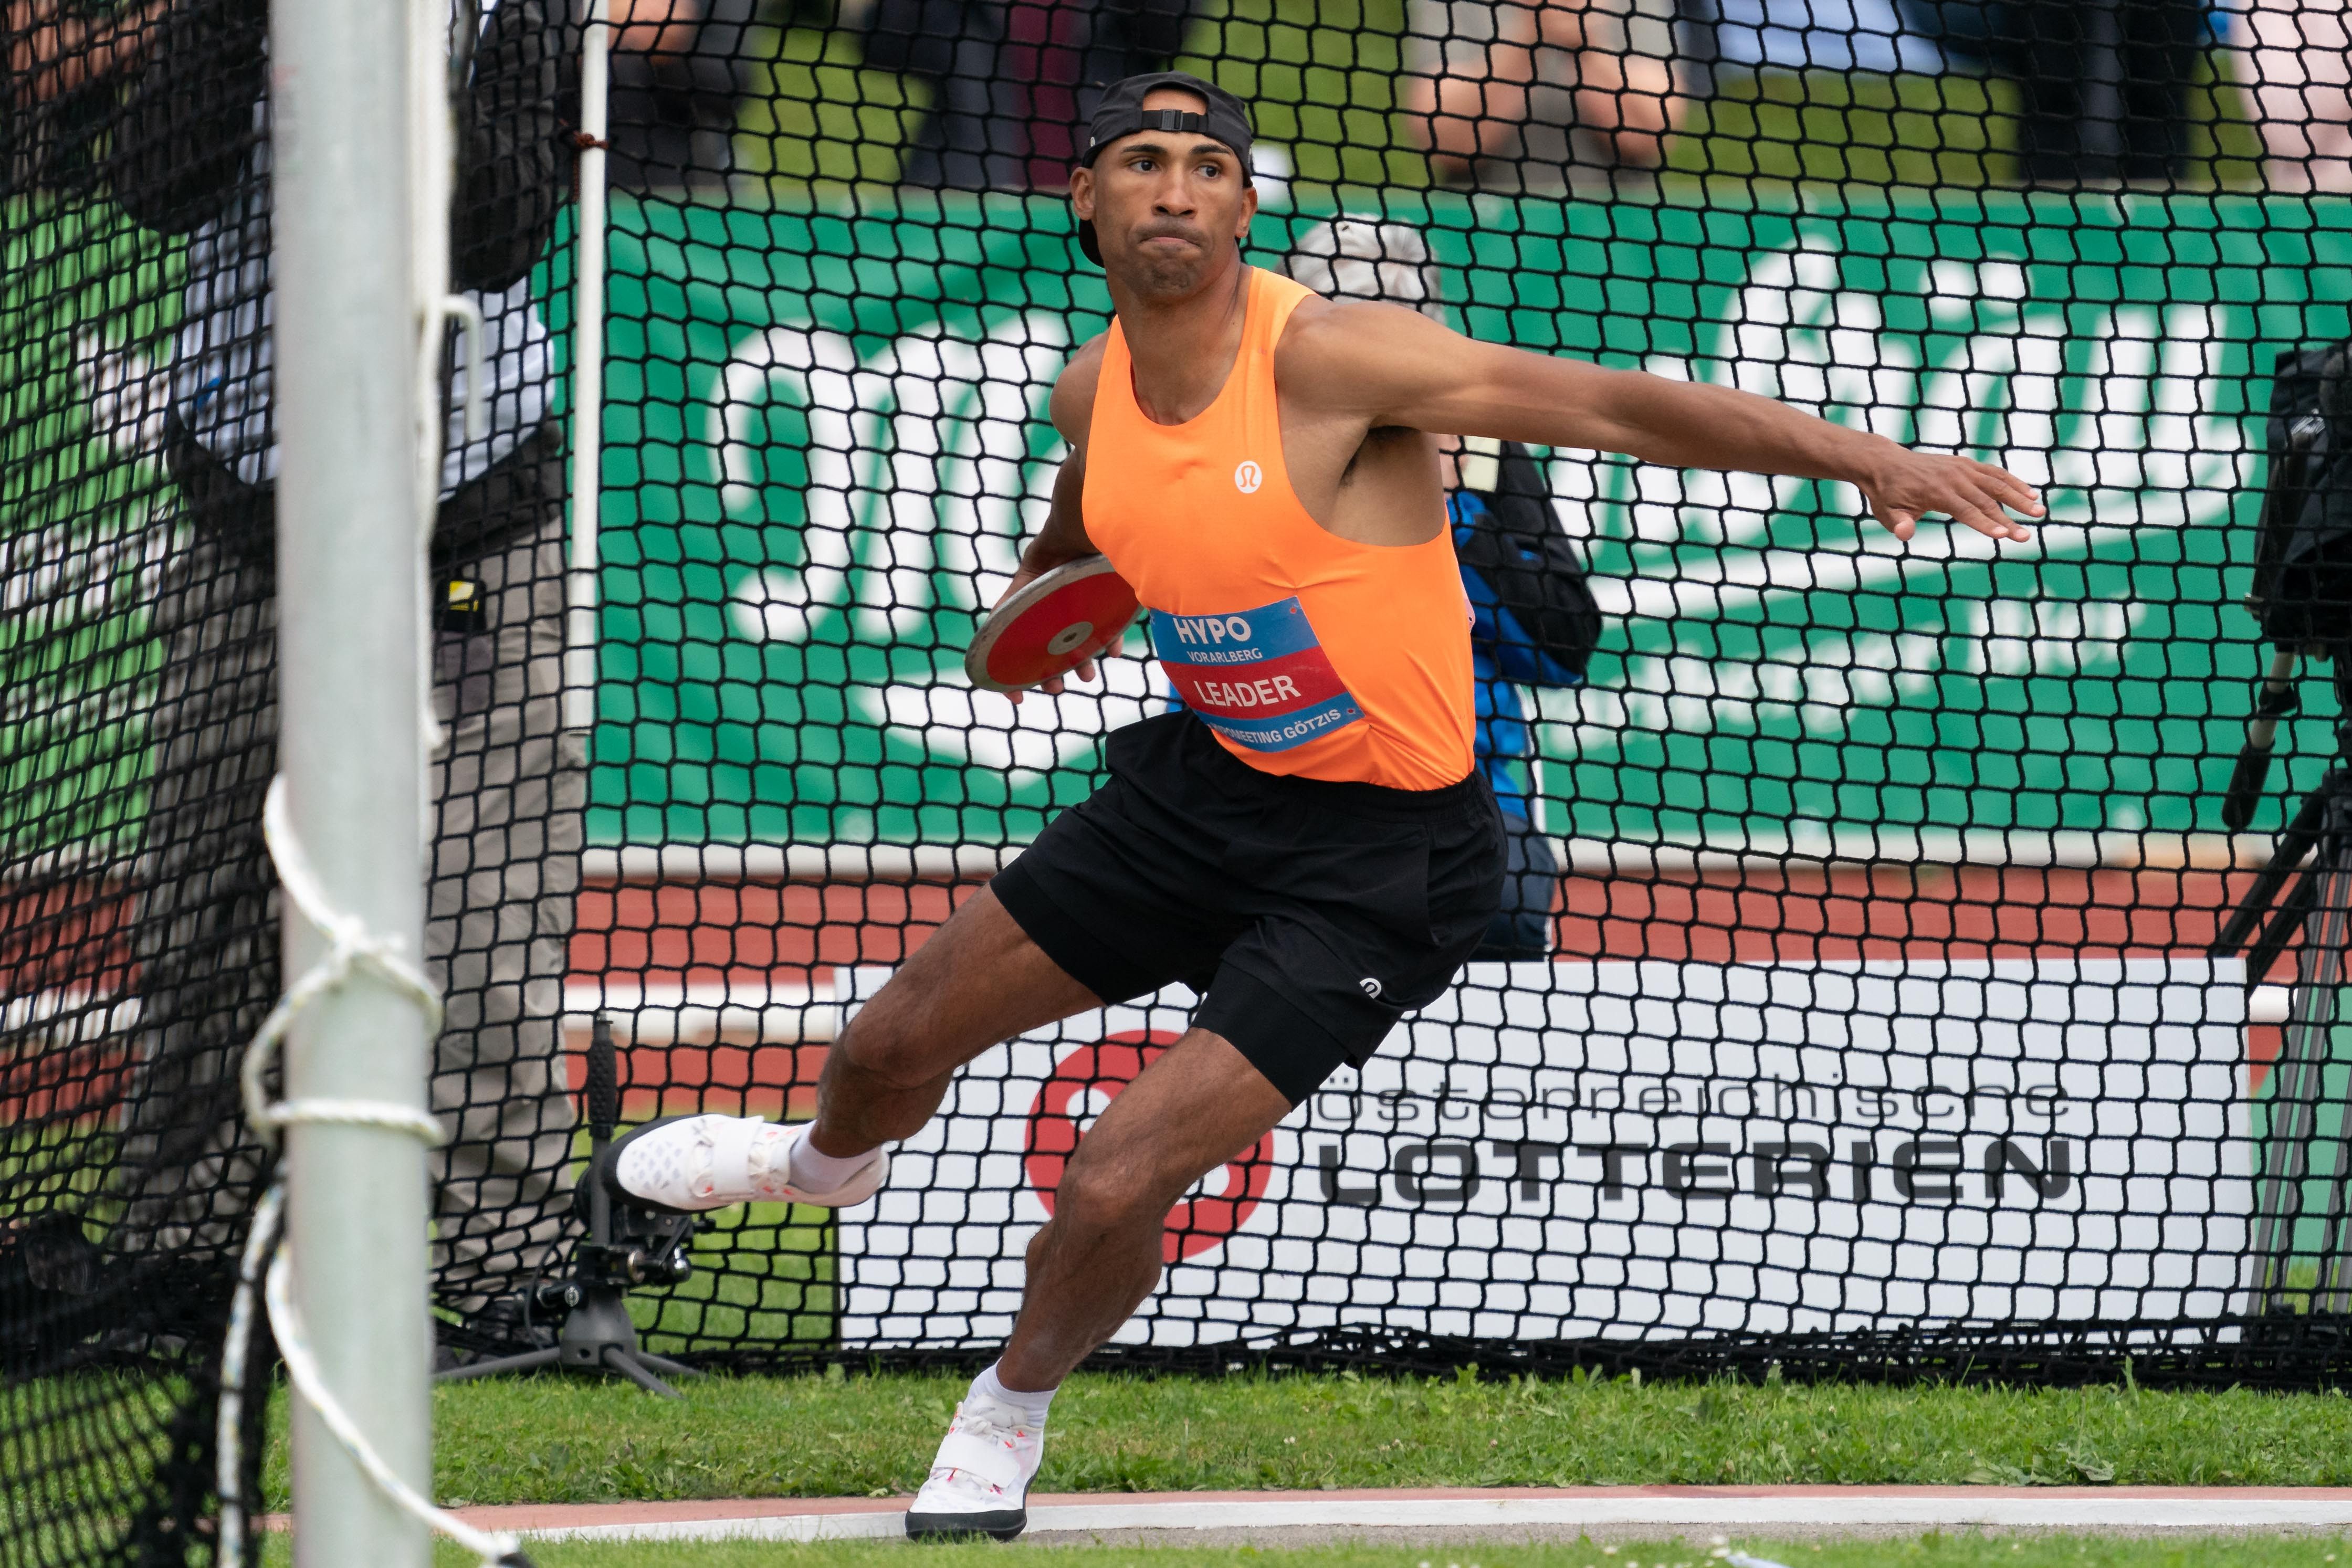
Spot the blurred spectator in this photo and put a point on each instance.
(1012, 81)
(61, 75)
(1498, 90)
(2102, 85)
(2297, 69)
(1504, 92)
(679, 70)
(1510, 93)
(1822, 35)
(1358, 259)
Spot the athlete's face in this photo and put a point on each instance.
(1167, 206)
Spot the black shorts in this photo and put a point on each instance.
(1310, 917)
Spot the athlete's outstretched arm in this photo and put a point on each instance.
(1396, 367)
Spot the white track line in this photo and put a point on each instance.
(1811, 1514)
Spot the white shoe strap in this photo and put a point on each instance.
(732, 1139)
(994, 1462)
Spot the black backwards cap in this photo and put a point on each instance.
(1121, 113)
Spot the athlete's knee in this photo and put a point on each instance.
(879, 1051)
(1111, 1191)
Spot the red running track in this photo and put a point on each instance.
(764, 940)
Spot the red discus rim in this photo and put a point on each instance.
(1051, 625)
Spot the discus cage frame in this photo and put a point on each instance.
(2302, 900)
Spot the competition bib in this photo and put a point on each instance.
(1258, 677)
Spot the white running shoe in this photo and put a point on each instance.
(687, 1165)
(979, 1481)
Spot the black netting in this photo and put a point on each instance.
(142, 938)
(1853, 1009)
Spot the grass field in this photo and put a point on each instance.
(1940, 1551)
(548, 1440)
(558, 1441)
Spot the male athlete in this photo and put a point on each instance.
(1307, 843)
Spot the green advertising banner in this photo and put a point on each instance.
(85, 313)
(827, 435)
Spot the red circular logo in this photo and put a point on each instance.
(1088, 1079)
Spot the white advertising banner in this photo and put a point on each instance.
(1573, 1149)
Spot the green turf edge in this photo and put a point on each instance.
(564, 1440)
(1937, 1550)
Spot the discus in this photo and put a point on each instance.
(1050, 627)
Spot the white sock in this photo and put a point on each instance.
(811, 1170)
(1032, 1406)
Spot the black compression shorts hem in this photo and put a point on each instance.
(1272, 1031)
(1063, 937)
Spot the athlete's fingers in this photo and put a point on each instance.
(1985, 517)
(2001, 493)
(2011, 490)
(1977, 495)
(1084, 669)
(1022, 577)
(1994, 499)
(1979, 502)
(1960, 506)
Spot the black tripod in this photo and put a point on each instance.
(2318, 907)
(624, 1247)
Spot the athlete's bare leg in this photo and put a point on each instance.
(1190, 1111)
(977, 982)
(981, 980)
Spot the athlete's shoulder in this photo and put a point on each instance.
(1278, 285)
(1072, 408)
(1344, 346)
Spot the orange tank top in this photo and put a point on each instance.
(1305, 654)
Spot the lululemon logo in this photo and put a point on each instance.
(1371, 987)
(1248, 477)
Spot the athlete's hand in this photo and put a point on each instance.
(1904, 485)
(1084, 668)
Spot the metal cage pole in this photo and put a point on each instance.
(359, 203)
(587, 373)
